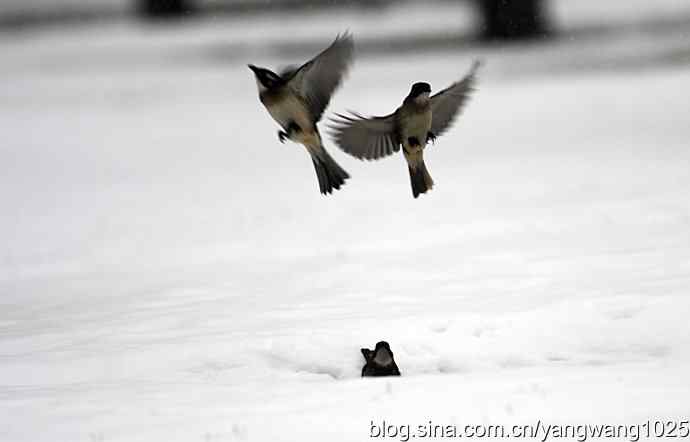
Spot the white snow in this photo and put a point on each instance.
(169, 271)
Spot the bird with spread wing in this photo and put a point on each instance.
(420, 119)
(296, 99)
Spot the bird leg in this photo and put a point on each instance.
(287, 133)
(431, 136)
(413, 141)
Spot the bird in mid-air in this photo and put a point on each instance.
(420, 119)
(297, 97)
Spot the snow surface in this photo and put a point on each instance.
(170, 272)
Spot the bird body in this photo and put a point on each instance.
(414, 125)
(286, 106)
(297, 98)
(380, 361)
(383, 358)
(290, 111)
(419, 119)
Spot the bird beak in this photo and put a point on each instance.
(252, 67)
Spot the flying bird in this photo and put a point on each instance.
(296, 99)
(420, 119)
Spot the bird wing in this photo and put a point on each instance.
(447, 104)
(317, 79)
(365, 138)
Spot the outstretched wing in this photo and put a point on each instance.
(447, 104)
(365, 138)
(317, 79)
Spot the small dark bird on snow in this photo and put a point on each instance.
(379, 362)
(417, 121)
(297, 97)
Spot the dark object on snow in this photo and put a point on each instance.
(513, 19)
(380, 361)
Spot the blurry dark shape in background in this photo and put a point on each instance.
(177, 8)
(502, 19)
(513, 19)
(163, 8)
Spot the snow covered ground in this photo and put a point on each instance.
(169, 271)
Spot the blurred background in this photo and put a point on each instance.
(167, 267)
(439, 23)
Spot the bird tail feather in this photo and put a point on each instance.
(329, 173)
(420, 179)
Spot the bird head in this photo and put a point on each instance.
(382, 344)
(382, 354)
(265, 78)
(420, 89)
